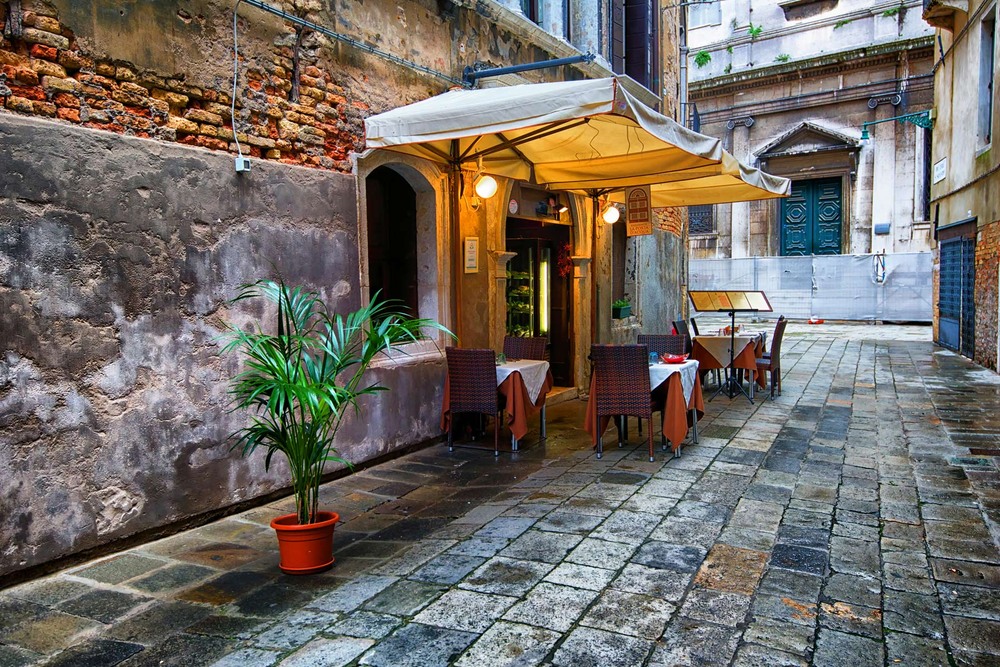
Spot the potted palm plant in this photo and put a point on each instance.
(298, 385)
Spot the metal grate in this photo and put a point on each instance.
(701, 219)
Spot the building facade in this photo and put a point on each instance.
(125, 230)
(965, 188)
(789, 86)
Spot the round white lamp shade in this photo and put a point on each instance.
(486, 186)
(611, 215)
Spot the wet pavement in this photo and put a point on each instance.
(856, 518)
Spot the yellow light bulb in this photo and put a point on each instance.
(486, 186)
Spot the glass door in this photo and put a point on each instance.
(522, 292)
(538, 291)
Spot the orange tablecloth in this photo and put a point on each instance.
(518, 404)
(746, 360)
(676, 419)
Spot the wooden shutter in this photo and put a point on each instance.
(639, 40)
(617, 33)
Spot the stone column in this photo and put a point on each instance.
(741, 210)
(883, 177)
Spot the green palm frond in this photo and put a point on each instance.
(298, 383)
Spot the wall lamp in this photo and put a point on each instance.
(484, 184)
(922, 119)
(611, 214)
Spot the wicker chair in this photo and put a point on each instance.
(767, 354)
(772, 361)
(682, 330)
(517, 347)
(665, 343)
(621, 388)
(472, 387)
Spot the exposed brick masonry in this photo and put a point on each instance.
(44, 73)
(670, 219)
(987, 249)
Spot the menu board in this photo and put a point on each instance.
(729, 300)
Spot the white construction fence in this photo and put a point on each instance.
(895, 288)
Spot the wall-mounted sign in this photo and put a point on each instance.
(638, 211)
(472, 254)
(940, 170)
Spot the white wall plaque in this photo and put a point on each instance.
(940, 170)
(472, 254)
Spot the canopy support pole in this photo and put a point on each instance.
(457, 265)
(593, 268)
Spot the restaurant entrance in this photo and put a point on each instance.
(539, 288)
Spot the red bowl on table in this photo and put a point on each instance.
(673, 358)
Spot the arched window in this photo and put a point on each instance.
(392, 238)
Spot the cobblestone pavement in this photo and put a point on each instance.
(853, 520)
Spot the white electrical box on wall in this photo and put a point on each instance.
(242, 164)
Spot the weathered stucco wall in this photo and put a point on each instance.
(117, 256)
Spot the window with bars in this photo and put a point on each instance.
(701, 219)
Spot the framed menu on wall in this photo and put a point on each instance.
(724, 301)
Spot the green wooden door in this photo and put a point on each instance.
(811, 218)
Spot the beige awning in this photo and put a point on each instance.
(732, 181)
(587, 136)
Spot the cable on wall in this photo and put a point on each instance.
(236, 72)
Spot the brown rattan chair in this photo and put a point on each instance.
(771, 363)
(682, 330)
(665, 343)
(767, 354)
(621, 388)
(517, 347)
(472, 387)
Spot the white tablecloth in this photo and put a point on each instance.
(658, 374)
(718, 346)
(532, 372)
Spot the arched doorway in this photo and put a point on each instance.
(392, 238)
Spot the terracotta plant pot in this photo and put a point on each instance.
(305, 549)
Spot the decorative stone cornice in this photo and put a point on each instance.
(941, 13)
(833, 63)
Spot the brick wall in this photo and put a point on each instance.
(44, 72)
(987, 249)
(669, 219)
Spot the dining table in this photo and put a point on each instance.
(523, 383)
(678, 386)
(713, 352)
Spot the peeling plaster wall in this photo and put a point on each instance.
(117, 257)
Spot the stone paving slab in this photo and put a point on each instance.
(853, 520)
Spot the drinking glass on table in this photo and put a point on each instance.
(654, 358)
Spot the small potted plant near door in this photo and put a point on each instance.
(298, 384)
(621, 308)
